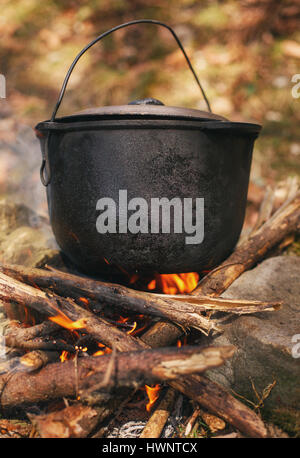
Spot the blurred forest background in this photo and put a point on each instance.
(245, 53)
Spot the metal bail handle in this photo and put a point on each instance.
(45, 164)
(105, 34)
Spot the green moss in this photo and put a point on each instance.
(288, 419)
(211, 16)
(295, 247)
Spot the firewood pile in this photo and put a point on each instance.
(95, 344)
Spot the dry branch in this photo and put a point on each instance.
(69, 285)
(182, 309)
(283, 223)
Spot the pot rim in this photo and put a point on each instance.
(101, 123)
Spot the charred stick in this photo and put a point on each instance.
(38, 344)
(35, 338)
(66, 312)
(29, 362)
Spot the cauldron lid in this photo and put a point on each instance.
(146, 108)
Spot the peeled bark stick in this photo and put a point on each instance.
(131, 369)
(191, 421)
(237, 306)
(283, 223)
(158, 419)
(162, 334)
(67, 312)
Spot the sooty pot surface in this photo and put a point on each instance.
(164, 162)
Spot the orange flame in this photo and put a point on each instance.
(175, 283)
(133, 328)
(84, 300)
(182, 342)
(152, 392)
(67, 323)
(104, 350)
(64, 356)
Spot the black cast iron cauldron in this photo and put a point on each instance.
(145, 150)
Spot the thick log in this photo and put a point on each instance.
(80, 377)
(162, 334)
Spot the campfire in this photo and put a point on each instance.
(77, 350)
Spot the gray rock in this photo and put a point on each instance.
(264, 340)
(25, 237)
